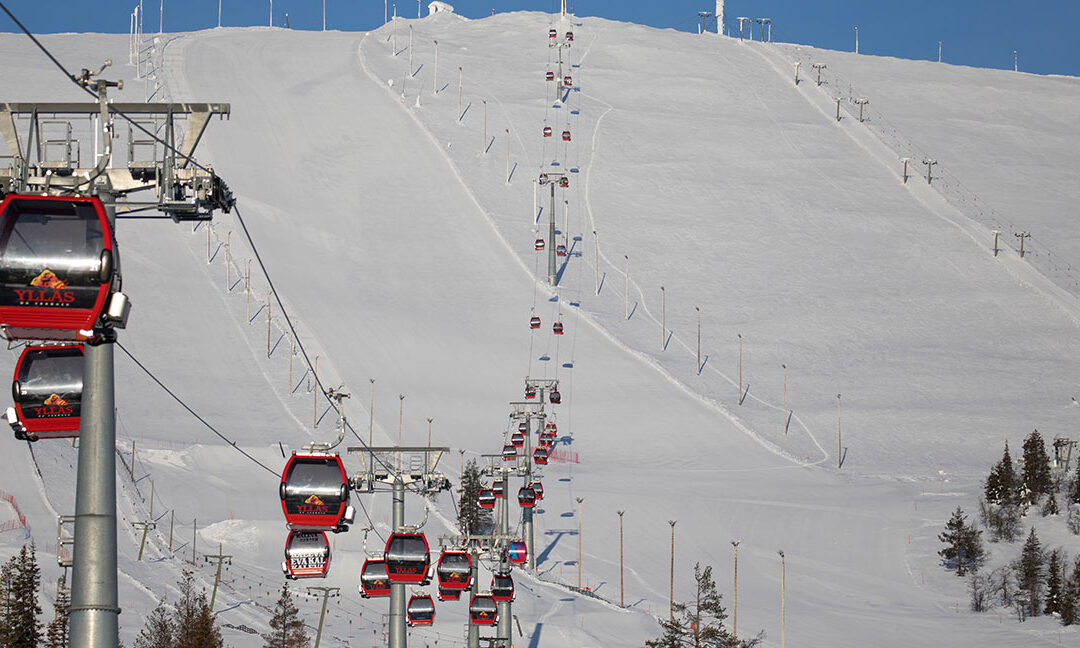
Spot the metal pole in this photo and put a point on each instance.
(622, 601)
(1016, 61)
(460, 91)
(435, 72)
(740, 369)
(324, 29)
(783, 610)
(483, 148)
(856, 39)
(194, 537)
(474, 630)
(939, 51)
(94, 601)
(219, 13)
(785, 399)
(596, 242)
(735, 604)
(398, 638)
(663, 318)
(327, 592)
(508, 165)
(551, 235)
(626, 288)
(429, 431)
(698, 339)
(579, 501)
(172, 521)
(371, 413)
(839, 447)
(315, 395)
(671, 608)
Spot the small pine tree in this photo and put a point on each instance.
(1051, 506)
(1054, 589)
(963, 544)
(56, 634)
(193, 618)
(159, 631)
(698, 623)
(1002, 485)
(1030, 571)
(1036, 480)
(286, 626)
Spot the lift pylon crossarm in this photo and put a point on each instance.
(184, 189)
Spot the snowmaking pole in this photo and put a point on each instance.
(397, 590)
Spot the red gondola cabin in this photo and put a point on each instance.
(570, 37)
(547, 131)
(567, 81)
(420, 611)
(58, 269)
(534, 322)
(560, 250)
(407, 558)
(483, 610)
(557, 328)
(550, 76)
(555, 397)
(566, 136)
(454, 570)
(486, 498)
(374, 583)
(526, 497)
(518, 552)
(47, 389)
(552, 33)
(314, 493)
(540, 456)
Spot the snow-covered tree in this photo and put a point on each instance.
(1031, 571)
(1074, 491)
(1051, 506)
(963, 544)
(56, 634)
(286, 626)
(1070, 596)
(1003, 485)
(1035, 479)
(20, 579)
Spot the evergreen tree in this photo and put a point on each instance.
(193, 619)
(1030, 571)
(159, 630)
(1002, 485)
(1074, 493)
(698, 623)
(21, 581)
(1051, 506)
(963, 544)
(56, 634)
(1070, 597)
(286, 626)
(1036, 480)
(1054, 589)
(472, 518)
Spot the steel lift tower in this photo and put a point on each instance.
(553, 180)
(46, 142)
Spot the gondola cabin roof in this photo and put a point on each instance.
(307, 555)
(314, 492)
(374, 582)
(483, 610)
(58, 262)
(407, 558)
(420, 610)
(47, 390)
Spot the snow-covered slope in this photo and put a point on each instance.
(404, 254)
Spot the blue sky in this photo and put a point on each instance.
(981, 33)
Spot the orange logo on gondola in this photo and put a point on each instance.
(55, 400)
(51, 291)
(54, 406)
(313, 505)
(48, 279)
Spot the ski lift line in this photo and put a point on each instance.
(191, 411)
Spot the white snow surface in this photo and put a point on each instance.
(403, 254)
